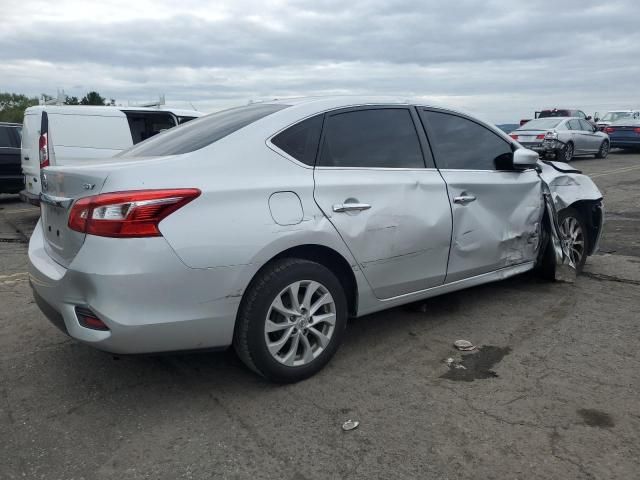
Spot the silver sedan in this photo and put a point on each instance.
(266, 226)
(562, 137)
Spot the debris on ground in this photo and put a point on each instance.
(451, 363)
(350, 425)
(464, 345)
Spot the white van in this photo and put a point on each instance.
(58, 134)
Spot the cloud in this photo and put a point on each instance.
(505, 60)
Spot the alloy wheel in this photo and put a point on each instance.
(573, 239)
(568, 152)
(300, 323)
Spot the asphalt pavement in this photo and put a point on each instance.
(552, 393)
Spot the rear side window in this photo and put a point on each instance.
(586, 126)
(460, 143)
(371, 138)
(201, 132)
(573, 124)
(9, 137)
(301, 140)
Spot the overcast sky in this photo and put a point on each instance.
(500, 59)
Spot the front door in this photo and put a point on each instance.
(388, 205)
(496, 210)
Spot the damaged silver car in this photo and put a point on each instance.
(266, 226)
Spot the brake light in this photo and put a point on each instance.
(514, 136)
(540, 137)
(131, 214)
(637, 130)
(43, 148)
(609, 130)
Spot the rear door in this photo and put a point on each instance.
(579, 141)
(591, 140)
(496, 210)
(387, 204)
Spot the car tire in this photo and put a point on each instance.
(604, 150)
(284, 341)
(573, 228)
(546, 262)
(565, 154)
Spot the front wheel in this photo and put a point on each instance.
(604, 150)
(573, 233)
(291, 321)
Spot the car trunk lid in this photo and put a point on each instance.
(61, 187)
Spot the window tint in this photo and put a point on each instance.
(584, 125)
(301, 140)
(463, 144)
(9, 137)
(201, 132)
(371, 138)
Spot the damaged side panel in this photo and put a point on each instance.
(400, 238)
(496, 220)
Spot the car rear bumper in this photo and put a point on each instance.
(29, 197)
(149, 300)
(625, 142)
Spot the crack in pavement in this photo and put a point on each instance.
(610, 278)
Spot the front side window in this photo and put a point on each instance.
(461, 143)
(586, 126)
(371, 138)
(301, 140)
(201, 132)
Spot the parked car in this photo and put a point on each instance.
(57, 135)
(614, 116)
(265, 226)
(562, 137)
(11, 180)
(625, 133)
(558, 112)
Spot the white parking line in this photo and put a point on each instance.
(13, 275)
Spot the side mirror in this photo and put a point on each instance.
(525, 158)
(589, 117)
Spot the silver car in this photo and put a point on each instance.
(562, 137)
(266, 226)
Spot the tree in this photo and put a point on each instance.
(72, 101)
(93, 98)
(13, 105)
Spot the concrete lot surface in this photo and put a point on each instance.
(552, 394)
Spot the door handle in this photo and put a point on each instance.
(464, 199)
(350, 207)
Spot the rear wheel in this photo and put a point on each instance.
(291, 321)
(565, 154)
(604, 150)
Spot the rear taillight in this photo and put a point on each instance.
(609, 130)
(637, 130)
(540, 137)
(514, 136)
(43, 148)
(127, 214)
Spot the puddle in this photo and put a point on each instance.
(596, 418)
(478, 365)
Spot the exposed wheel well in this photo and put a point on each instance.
(330, 259)
(591, 211)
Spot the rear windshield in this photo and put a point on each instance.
(541, 124)
(554, 113)
(201, 132)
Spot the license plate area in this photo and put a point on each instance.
(54, 224)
